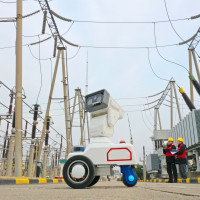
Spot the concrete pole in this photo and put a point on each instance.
(73, 110)
(48, 106)
(56, 166)
(18, 97)
(177, 103)
(36, 157)
(155, 118)
(30, 163)
(66, 106)
(52, 166)
(144, 164)
(3, 164)
(10, 155)
(197, 160)
(159, 120)
(44, 169)
(190, 72)
(68, 100)
(171, 102)
(196, 65)
(80, 115)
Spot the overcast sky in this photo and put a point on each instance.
(124, 73)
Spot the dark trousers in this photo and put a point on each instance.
(183, 170)
(172, 171)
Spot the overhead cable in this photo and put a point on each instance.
(33, 13)
(153, 69)
(115, 22)
(60, 17)
(155, 38)
(40, 41)
(66, 41)
(170, 21)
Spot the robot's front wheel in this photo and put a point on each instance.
(129, 178)
(78, 172)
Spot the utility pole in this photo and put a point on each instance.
(66, 97)
(80, 114)
(48, 106)
(144, 164)
(11, 146)
(18, 97)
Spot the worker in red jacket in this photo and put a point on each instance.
(181, 158)
(170, 159)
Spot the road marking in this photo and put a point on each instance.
(42, 180)
(22, 181)
(55, 180)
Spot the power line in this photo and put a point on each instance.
(125, 47)
(145, 123)
(141, 97)
(116, 22)
(40, 73)
(162, 56)
(129, 22)
(11, 1)
(32, 35)
(105, 47)
(29, 124)
(35, 56)
(31, 109)
(153, 69)
(170, 21)
(75, 54)
(68, 29)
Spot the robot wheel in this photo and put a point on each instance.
(95, 180)
(78, 172)
(129, 178)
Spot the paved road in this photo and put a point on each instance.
(101, 191)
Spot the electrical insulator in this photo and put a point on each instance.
(195, 83)
(35, 111)
(44, 22)
(13, 124)
(55, 46)
(187, 100)
(26, 126)
(11, 103)
(47, 131)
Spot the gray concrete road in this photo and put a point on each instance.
(102, 190)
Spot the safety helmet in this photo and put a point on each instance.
(180, 139)
(170, 139)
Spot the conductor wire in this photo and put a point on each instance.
(171, 21)
(40, 72)
(155, 38)
(153, 69)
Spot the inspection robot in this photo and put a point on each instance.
(83, 169)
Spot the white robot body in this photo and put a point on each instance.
(107, 153)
